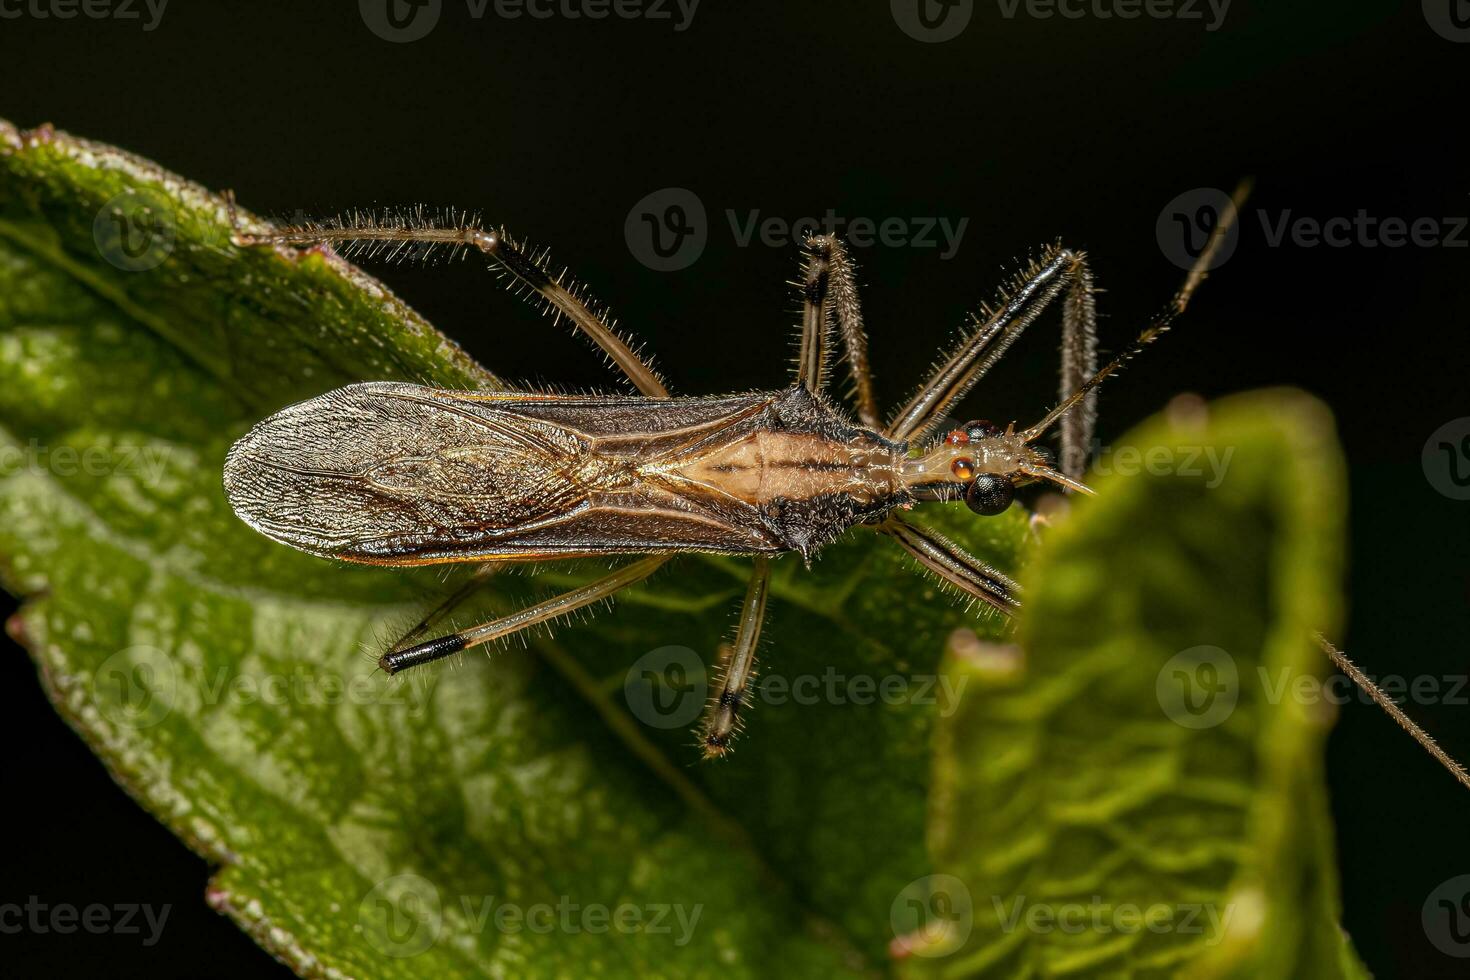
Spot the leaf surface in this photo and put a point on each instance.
(541, 812)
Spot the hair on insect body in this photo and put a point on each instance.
(391, 473)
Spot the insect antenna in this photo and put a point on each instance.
(1425, 740)
(1160, 323)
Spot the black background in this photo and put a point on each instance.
(1034, 129)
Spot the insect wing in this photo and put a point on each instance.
(397, 473)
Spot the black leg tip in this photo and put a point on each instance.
(395, 660)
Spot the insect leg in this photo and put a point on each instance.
(396, 660)
(829, 293)
(528, 272)
(1032, 292)
(474, 583)
(722, 718)
(954, 565)
(1078, 363)
(1157, 325)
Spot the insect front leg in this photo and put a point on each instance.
(954, 565)
(528, 272)
(1082, 394)
(722, 718)
(829, 299)
(396, 660)
(1056, 271)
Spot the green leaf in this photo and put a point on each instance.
(1138, 762)
(378, 827)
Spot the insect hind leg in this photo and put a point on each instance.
(529, 272)
(397, 660)
(477, 580)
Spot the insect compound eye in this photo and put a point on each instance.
(963, 469)
(980, 429)
(990, 494)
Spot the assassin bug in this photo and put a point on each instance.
(393, 473)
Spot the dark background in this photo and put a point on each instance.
(1034, 129)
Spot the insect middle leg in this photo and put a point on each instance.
(396, 660)
(829, 299)
(722, 718)
(527, 271)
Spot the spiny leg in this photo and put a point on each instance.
(954, 565)
(722, 718)
(1079, 362)
(529, 271)
(1032, 291)
(829, 296)
(431, 650)
(473, 584)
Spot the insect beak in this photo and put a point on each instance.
(1040, 472)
